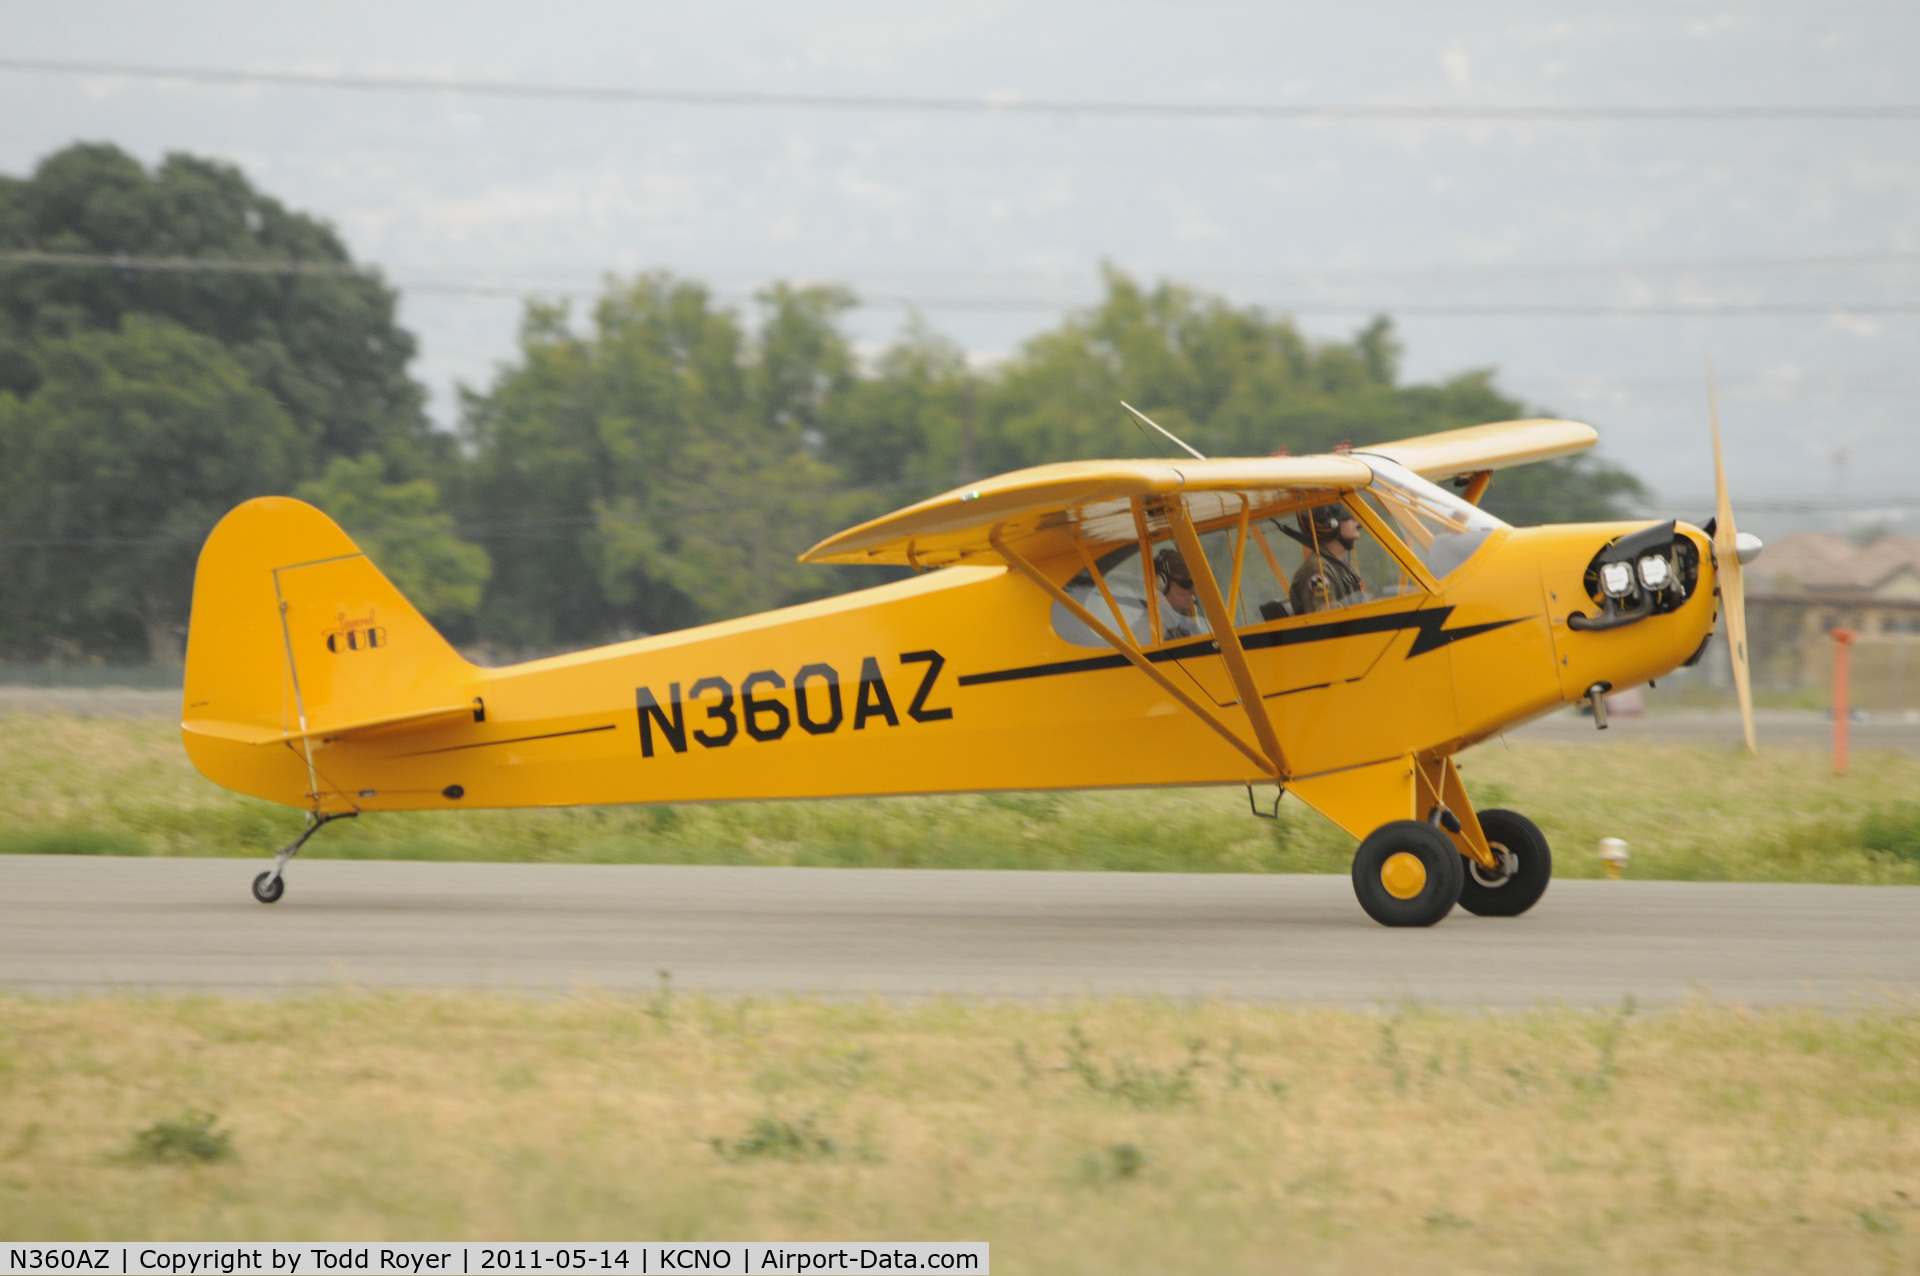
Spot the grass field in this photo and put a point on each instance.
(1112, 1136)
(104, 786)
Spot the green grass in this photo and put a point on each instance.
(1110, 1136)
(72, 785)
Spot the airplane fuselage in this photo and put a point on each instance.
(956, 680)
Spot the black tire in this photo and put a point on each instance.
(267, 888)
(1382, 882)
(1520, 841)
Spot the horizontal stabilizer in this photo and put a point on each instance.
(399, 723)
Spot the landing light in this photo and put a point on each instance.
(1655, 572)
(1616, 579)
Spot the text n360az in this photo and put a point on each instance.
(754, 709)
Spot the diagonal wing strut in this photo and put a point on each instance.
(1271, 763)
(1230, 649)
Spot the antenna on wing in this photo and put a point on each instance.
(1163, 429)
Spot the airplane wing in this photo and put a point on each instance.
(1487, 447)
(1092, 501)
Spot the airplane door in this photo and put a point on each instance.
(1307, 653)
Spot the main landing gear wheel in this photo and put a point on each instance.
(1407, 874)
(1524, 856)
(269, 886)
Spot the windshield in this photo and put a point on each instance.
(1434, 523)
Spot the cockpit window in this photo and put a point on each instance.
(1313, 559)
(1439, 527)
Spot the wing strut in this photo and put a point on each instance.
(1230, 649)
(1134, 655)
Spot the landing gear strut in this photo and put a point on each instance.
(271, 885)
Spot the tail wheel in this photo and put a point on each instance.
(1407, 874)
(1525, 858)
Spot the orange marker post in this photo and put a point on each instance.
(1842, 692)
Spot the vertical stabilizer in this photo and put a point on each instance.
(296, 637)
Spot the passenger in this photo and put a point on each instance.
(1327, 578)
(1176, 590)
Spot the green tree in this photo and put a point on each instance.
(803, 361)
(907, 428)
(404, 531)
(1234, 381)
(132, 446)
(660, 469)
(325, 344)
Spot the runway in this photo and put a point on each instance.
(74, 925)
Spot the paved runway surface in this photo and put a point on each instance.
(1778, 729)
(72, 924)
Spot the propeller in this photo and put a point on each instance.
(1727, 547)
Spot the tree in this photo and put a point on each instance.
(907, 427)
(325, 344)
(659, 471)
(1237, 382)
(132, 446)
(403, 530)
(288, 367)
(1232, 381)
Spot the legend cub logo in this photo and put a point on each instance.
(358, 634)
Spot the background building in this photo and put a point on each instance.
(1807, 584)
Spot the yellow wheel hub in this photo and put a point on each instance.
(1403, 875)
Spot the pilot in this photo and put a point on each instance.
(1175, 583)
(1327, 578)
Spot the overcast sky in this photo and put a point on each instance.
(993, 222)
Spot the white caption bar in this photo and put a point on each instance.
(422, 1258)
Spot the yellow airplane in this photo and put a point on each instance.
(1339, 626)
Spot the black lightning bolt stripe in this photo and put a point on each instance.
(1428, 623)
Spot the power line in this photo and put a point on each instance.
(1790, 505)
(1496, 310)
(1305, 306)
(1318, 275)
(1524, 270)
(194, 265)
(995, 104)
(538, 527)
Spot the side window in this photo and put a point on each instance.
(1121, 571)
(1181, 614)
(1322, 559)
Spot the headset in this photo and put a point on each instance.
(1169, 568)
(1320, 523)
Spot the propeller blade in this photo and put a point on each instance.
(1726, 552)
